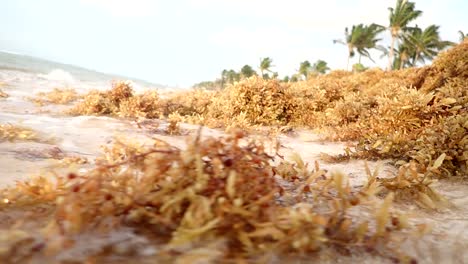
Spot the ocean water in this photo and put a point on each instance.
(21, 77)
(59, 71)
(28, 75)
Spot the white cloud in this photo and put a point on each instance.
(124, 8)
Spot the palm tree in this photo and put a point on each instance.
(224, 76)
(463, 36)
(361, 38)
(400, 17)
(418, 46)
(229, 76)
(247, 71)
(304, 68)
(350, 40)
(426, 43)
(320, 67)
(233, 76)
(403, 55)
(368, 40)
(265, 65)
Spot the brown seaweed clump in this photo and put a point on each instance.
(449, 65)
(56, 96)
(260, 101)
(219, 199)
(414, 115)
(427, 125)
(250, 102)
(119, 101)
(11, 133)
(3, 94)
(190, 103)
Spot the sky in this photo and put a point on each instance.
(182, 42)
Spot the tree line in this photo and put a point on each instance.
(306, 69)
(409, 46)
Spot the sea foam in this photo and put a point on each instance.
(58, 75)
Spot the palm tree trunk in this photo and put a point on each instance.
(416, 58)
(347, 63)
(391, 53)
(350, 53)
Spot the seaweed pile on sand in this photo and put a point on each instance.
(219, 199)
(228, 198)
(56, 96)
(414, 115)
(119, 101)
(428, 124)
(12, 133)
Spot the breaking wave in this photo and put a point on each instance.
(58, 75)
